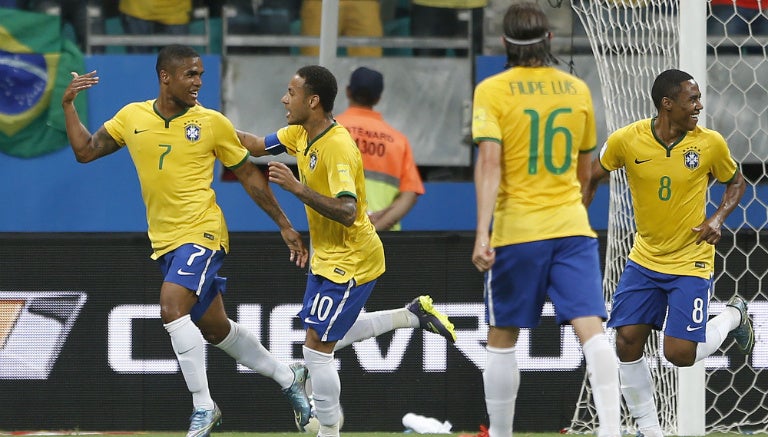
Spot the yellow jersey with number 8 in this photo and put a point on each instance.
(669, 187)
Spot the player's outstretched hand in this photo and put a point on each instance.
(299, 252)
(79, 82)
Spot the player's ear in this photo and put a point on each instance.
(666, 103)
(314, 100)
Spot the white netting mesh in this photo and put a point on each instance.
(737, 94)
(633, 41)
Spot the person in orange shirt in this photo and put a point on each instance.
(392, 179)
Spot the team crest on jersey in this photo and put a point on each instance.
(691, 158)
(312, 160)
(192, 132)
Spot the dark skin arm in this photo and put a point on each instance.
(86, 147)
(710, 230)
(256, 185)
(590, 181)
(255, 144)
(341, 209)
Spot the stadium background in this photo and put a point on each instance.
(72, 228)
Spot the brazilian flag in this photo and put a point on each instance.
(35, 62)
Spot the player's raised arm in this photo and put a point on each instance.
(86, 147)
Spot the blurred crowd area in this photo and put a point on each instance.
(478, 22)
(433, 25)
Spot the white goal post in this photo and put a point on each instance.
(632, 41)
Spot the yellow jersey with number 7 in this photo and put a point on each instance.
(174, 160)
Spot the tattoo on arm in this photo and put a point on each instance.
(255, 184)
(342, 209)
(102, 143)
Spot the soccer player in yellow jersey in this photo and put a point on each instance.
(348, 256)
(174, 143)
(669, 161)
(535, 129)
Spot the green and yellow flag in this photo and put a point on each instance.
(35, 62)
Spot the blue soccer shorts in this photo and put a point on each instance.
(523, 275)
(330, 308)
(647, 297)
(195, 267)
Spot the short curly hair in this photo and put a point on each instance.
(319, 80)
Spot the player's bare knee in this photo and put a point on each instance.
(214, 330)
(680, 358)
(628, 348)
(214, 336)
(170, 313)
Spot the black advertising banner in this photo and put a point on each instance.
(82, 346)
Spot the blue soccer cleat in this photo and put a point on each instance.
(431, 319)
(744, 334)
(297, 395)
(202, 422)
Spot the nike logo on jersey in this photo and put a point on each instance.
(637, 161)
(309, 321)
(136, 131)
(690, 328)
(183, 273)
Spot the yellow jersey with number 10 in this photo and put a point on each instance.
(543, 118)
(174, 159)
(331, 165)
(669, 193)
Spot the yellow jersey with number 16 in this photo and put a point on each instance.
(174, 160)
(543, 119)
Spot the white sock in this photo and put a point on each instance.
(718, 328)
(188, 344)
(501, 381)
(637, 389)
(369, 325)
(326, 390)
(603, 373)
(246, 349)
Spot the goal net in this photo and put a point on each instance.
(632, 41)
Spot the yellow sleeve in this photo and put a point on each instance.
(724, 167)
(485, 123)
(612, 152)
(228, 148)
